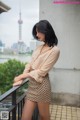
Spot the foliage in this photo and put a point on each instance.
(8, 71)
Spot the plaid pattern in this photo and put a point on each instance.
(39, 92)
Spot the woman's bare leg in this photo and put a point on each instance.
(44, 111)
(28, 110)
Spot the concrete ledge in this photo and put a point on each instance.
(66, 99)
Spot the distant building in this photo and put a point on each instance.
(28, 49)
(3, 7)
(14, 47)
(33, 44)
(19, 47)
(1, 47)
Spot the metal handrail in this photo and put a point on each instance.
(15, 110)
(6, 94)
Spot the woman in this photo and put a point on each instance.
(43, 59)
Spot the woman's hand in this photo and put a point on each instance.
(17, 83)
(18, 78)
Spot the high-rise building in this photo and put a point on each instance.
(2, 45)
(20, 27)
(21, 44)
(33, 44)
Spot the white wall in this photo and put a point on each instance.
(65, 20)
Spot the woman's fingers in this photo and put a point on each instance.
(16, 79)
(17, 83)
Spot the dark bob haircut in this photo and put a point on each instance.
(45, 27)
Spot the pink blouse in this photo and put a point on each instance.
(42, 61)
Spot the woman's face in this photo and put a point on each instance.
(40, 36)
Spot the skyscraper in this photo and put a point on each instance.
(21, 44)
(20, 27)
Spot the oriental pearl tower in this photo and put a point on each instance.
(20, 22)
(21, 44)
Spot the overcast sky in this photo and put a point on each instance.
(9, 28)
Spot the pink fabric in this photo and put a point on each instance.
(42, 62)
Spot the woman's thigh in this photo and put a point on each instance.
(28, 110)
(44, 110)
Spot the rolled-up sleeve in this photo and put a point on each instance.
(27, 68)
(39, 74)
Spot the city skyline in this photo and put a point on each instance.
(9, 26)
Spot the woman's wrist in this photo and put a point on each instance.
(26, 71)
(24, 75)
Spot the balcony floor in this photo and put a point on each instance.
(58, 112)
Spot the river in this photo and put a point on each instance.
(23, 58)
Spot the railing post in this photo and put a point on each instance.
(14, 103)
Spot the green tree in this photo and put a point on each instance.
(8, 71)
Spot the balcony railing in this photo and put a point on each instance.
(14, 111)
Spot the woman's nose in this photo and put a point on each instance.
(37, 34)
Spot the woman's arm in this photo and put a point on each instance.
(39, 73)
(19, 79)
(27, 68)
(22, 77)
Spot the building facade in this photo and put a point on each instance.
(65, 77)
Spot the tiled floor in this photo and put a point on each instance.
(58, 112)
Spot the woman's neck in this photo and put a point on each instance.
(46, 45)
